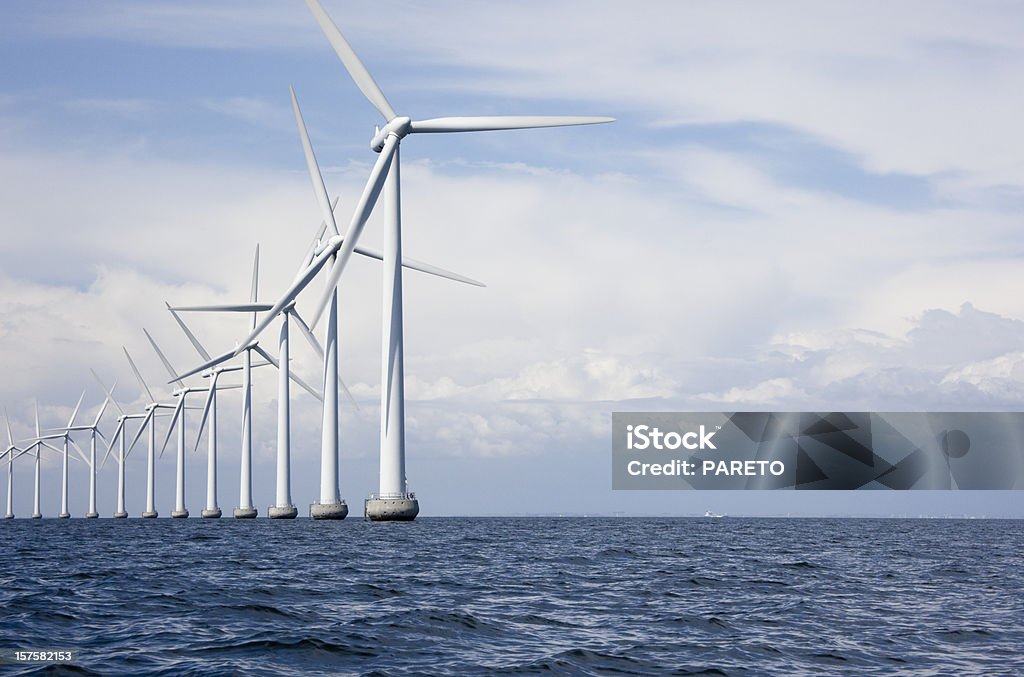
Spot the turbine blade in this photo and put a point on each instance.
(103, 409)
(77, 407)
(313, 343)
(365, 205)
(291, 375)
(160, 354)
(35, 404)
(225, 308)
(490, 123)
(422, 267)
(10, 435)
(188, 333)
(364, 81)
(223, 357)
(297, 286)
(210, 394)
(170, 426)
(315, 175)
(135, 369)
(51, 447)
(81, 453)
(109, 392)
(145, 421)
(113, 440)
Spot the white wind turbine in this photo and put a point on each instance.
(10, 453)
(283, 507)
(394, 501)
(91, 461)
(65, 435)
(119, 436)
(38, 443)
(148, 422)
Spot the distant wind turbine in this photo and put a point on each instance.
(91, 461)
(148, 422)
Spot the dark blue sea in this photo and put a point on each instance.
(517, 596)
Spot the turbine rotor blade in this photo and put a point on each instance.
(148, 420)
(422, 267)
(311, 252)
(109, 392)
(224, 357)
(10, 435)
(160, 354)
(364, 81)
(78, 406)
(170, 426)
(188, 333)
(492, 123)
(315, 175)
(225, 308)
(210, 394)
(304, 328)
(117, 433)
(378, 175)
(81, 453)
(135, 369)
(291, 375)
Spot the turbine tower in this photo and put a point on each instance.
(11, 448)
(149, 422)
(394, 501)
(120, 436)
(93, 432)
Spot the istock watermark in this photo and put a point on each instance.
(817, 450)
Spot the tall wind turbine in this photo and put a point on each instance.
(93, 432)
(394, 500)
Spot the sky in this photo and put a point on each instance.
(801, 207)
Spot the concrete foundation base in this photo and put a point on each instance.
(245, 513)
(179, 514)
(92, 515)
(211, 513)
(120, 515)
(9, 516)
(151, 514)
(391, 509)
(287, 512)
(64, 516)
(37, 516)
(328, 511)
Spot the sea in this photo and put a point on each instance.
(514, 596)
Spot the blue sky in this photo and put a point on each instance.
(802, 206)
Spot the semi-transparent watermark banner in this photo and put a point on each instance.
(829, 450)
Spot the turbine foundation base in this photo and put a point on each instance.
(151, 514)
(286, 512)
(211, 513)
(64, 516)
(179, 514)
(391, 509)
(245, 513)
(328, 511)
(9, 516)
(120, 515)
(92, 515)
(37, 516)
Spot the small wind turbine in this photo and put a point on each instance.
(38, 443)
(10, 452)
(93, 432)
(120, 435)
(65, 435)
(386, 172)
(148, 422)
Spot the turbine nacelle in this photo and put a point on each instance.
(398, 127)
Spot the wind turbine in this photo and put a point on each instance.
(394, 500)
(182, 393)
(93, 432)
(9, 451)
(149, 421)
(65, 435)
(37, 444)
(120, 435)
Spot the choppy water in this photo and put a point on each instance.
(518, 596)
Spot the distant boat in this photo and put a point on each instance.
(712, 514)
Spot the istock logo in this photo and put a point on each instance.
(646, 437)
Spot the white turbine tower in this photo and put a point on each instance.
(394, 502)
(91, 461)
